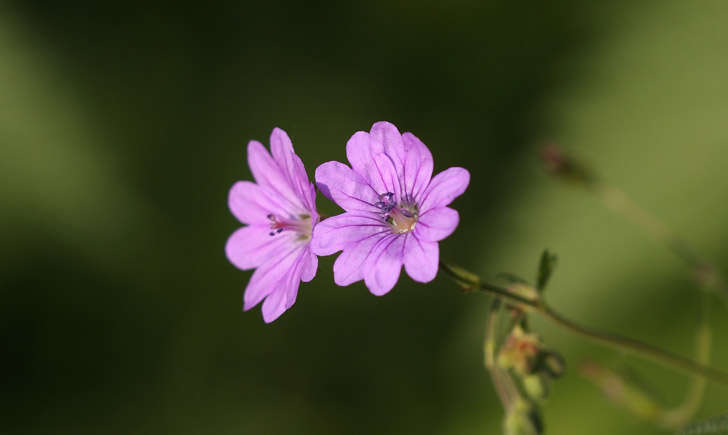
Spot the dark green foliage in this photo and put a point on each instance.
(545, 269)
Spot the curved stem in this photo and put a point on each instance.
(639, 348)
(568, 169)
(635, 347)
(705, 273)
(684, 412)
(507, 392)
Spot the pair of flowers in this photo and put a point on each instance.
(395, 212)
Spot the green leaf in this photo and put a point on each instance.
(545, 269)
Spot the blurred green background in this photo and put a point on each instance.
(122, 127)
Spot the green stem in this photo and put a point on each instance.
(616, 200)
(507, 391)
(638, 348)
(568, 169)
(635, 347)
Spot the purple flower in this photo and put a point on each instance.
(395, 211)
(280, 213)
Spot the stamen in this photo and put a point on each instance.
(401, 217)
(386, 202)
(300, 224)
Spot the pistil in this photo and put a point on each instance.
(402, 220)
(301, 224)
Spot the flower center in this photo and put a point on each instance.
(402, 220)
(402, 217)
(301, 224)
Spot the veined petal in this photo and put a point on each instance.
(374, 166)
(285, 293)
(421, 259)
(345, 187)
(383, 265)
(386, 168)
(291, 166)
(251, 246)
(386, 139)
(417, 170)
(348, 266)
(309, 267)
(268, 174)
(444, 188)
(266, 277)
(251, 203)
(436, 224)
(335, 233)
(281, 212)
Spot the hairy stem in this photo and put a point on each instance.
(626, 344)
(683, 413)
(704, 272)
(507, 391)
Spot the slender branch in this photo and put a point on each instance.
(684, 412)
(615, 341)
(502, 381)
(568, 169)
(705, 274)
(638, 401)
(639, 348)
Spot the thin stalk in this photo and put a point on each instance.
(563, 166)
(614, 341)
(638, 348)
(683, 413)
(705, 273)
(502, 381)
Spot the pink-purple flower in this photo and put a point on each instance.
(280, 213)
(395, 211)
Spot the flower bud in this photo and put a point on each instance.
(522, 419)
(556, 162)
(520, 351)
(535, 386)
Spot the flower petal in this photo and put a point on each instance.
(383, 266)
(348, 266)
(436, 224)
(285, 293)
(292, 167)
(385, 138)
(345, 187)
(373, 165)
(417, 170)
(335, 233)
(444, 188)
(421, 259)
(268, 174)
(386, 141)
(251, 246)
(310, 265)
(266, 277)
(251, 203)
